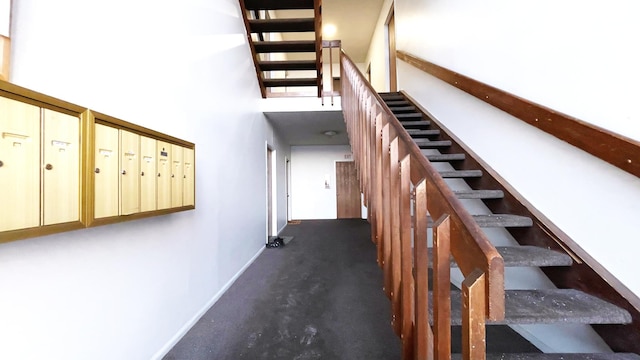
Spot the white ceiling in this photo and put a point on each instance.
(308, 127)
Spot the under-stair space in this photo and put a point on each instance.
(568, 291)
(286, 44)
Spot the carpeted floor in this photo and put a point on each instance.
(318, 297)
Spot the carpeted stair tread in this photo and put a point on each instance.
(417, 133)
(393, 96)
(290, 82)
(285, 46)
(282, 25)
(522, 256)
(497, 220)
(287, 65)
(444, 157)
(553, 306)
(278, 4)
(408, 117)
(402, 109)
(460, 173)
(430, 144)
(558, 356)
(479, 194)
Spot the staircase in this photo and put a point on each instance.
(582, 295)
(286, 44)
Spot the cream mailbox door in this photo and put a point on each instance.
(129, 170)
(189, 181)
(177, 173)
(147, 174)
(164, 153)
(61, 168)
(106, 171)
(19, 165)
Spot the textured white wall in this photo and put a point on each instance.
(310, 165)
(127, 291)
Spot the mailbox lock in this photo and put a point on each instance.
(97, 171)
(48, 167)
(142, 173)
(1, 163)
(184, 176)
(173, 175)
(158, 174)
(124, 172)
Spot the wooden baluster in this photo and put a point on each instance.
(473, 316)
(407, 282)
(422, 334)
(396, 254)
(379, 197)
(442, 287)
(386, 208)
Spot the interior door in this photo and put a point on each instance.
(348, 191)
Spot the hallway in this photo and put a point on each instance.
(319, 297)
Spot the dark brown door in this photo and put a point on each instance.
(347, 190)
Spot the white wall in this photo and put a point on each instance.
(378, 55)
(310, 165)
(583, 62)
(127, 291)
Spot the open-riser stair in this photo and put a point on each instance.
(285, 64)
(583, 296)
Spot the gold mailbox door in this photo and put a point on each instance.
(106, 171)
(177, 172)
(61, 168)
(163, 154)
(189, 180)
(129, 173)
(19, 165)
(148, 174)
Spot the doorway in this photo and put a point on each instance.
(271, 191)
(391, 33)
(347, 191)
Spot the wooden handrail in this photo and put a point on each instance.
(613, 148)
(401, 188)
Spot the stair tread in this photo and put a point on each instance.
(496, 220)
(557, 356)
(479, 194)
(287, 65)
(278, 4)
(397, 102)
(421, 133)
(417, 123)
(411, 115)
(285, 46)
(552, 306)
(282, 25)
(445, 157)
(402, 109)
(460, 173)
(290, 82)
(524, 256)
(428, 144)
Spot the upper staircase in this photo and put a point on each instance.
(286, 44)
(416, 175)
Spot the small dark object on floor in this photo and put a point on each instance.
(276, 242)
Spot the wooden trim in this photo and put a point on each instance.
(613, 148)
(393, 68)
(5, 57)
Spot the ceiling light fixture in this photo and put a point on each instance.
(328, 31)
(330, 133)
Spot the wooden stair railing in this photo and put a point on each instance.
(401, 190)
(263, 47)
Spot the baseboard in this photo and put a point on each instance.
(189, 324)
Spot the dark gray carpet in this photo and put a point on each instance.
(318, 297)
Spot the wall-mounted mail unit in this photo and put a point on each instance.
(69, 168)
